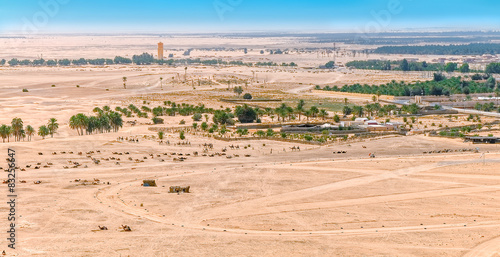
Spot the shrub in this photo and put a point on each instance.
(247, 96)
(182, 122)
(197, 117)
(25, 90)
(204, 126)
(157, 120)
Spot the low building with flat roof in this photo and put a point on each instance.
(483, 140)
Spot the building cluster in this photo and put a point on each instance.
(371, 125)
(358, 125)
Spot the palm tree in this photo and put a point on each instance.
(52, 126)
(358, 110)
(23, 134)
(258, 112)
(323, 113)
(308, 114)
(43, 131)
(346, 110)
(79, 122)
(116, 121)
(4, 132)
(73, 124)
(124, 82)
(300, 108)
(17, 126)
(314, 111)
(30, 131)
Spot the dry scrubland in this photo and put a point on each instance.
(288, 203)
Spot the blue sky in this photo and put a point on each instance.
(246, 15)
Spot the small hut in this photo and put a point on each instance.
(149, 183)
(178, 189)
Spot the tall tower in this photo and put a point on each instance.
(160, 51)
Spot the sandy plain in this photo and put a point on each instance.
(285, 203)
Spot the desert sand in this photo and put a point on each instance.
(275, 202)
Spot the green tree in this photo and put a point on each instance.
(246, 114)
(491, 82)
(464, 68)
(358, 111)
(238, 90)
(493, 68)
(30, 131)
(300, 108)
(181, 135)
(204, 126)
(260, 133)
(5, 132)
(160, 135)
(346, 110)
(270, 132)
(450, 67)
(222, 117)
(314, 111)
(43, 131)
(52, 125)
(323, 113)
(17, 127)
(404, 65)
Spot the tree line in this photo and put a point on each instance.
(17, 130)
(142, 59)
(439, 86)
(403, 65)
(467, 49)
(104, 121)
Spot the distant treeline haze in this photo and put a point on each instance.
(143, 59)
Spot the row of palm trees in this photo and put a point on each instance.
(285, 111)
(105, 121)
(19, 132)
